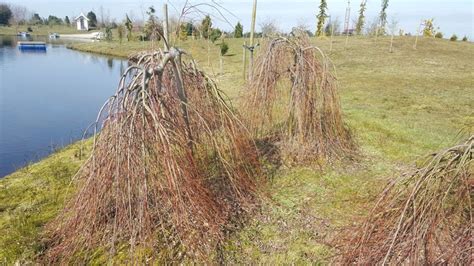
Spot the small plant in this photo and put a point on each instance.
(183, 32)
(108, 34)
(238, 31)
(429, 29)
(215, 35)
(453, 38)
(464, 39)
(120, 32)
(224, 47)
(439, 35)
(153, 29)
(29, 29)
(129, 25)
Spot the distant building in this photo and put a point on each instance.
(82, 22)
(348, 31)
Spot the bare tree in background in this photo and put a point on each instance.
(393, 28)
(269, 28)
(101, 14)
(20, 15)
(333, 27)
(372, 27)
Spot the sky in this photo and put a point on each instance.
(451, 16)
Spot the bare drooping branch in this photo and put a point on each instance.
(171, 168)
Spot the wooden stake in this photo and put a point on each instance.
(347, 39)
(252, 41)
(165, 27)
(347, 21)
(332, 35)
(244, 60)
(391, 44)
(417, 34)
(208, 45)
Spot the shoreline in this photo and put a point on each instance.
(396, 103)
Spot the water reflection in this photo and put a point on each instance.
(110, 63)
(47, 100)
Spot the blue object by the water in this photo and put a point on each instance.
(35, 46)
(48, 99)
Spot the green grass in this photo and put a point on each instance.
(401, 106)
(33, 196)
(38, 29)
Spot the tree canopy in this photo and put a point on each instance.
(239, 30)
(92, 19)
(5, 14)
(429, 29)
(53, 20)
(36, 19)
(206, 27)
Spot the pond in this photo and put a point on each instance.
(48, 99)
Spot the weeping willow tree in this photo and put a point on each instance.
(293, 99)
(423, 218)
(171, 169)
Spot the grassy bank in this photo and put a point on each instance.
(400, 105)
(38, 29)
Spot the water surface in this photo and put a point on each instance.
(47, 99)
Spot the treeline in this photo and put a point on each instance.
(14, 15)
(378, 26)
(152, 28)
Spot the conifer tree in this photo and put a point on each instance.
(206, 27)
(361, 21)
(129, 26)
(239, 30)
(183, 32)
(383, 16)
(67, 21)
(323, 6)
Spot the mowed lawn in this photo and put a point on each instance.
(400, 106)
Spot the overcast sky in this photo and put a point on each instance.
(452, 16)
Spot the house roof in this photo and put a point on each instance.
(81, 16)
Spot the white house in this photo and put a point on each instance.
(82, 22)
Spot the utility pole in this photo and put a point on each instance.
(252, 41)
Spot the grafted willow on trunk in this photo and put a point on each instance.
(293, 95)
(171, 167)
(422, 218)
